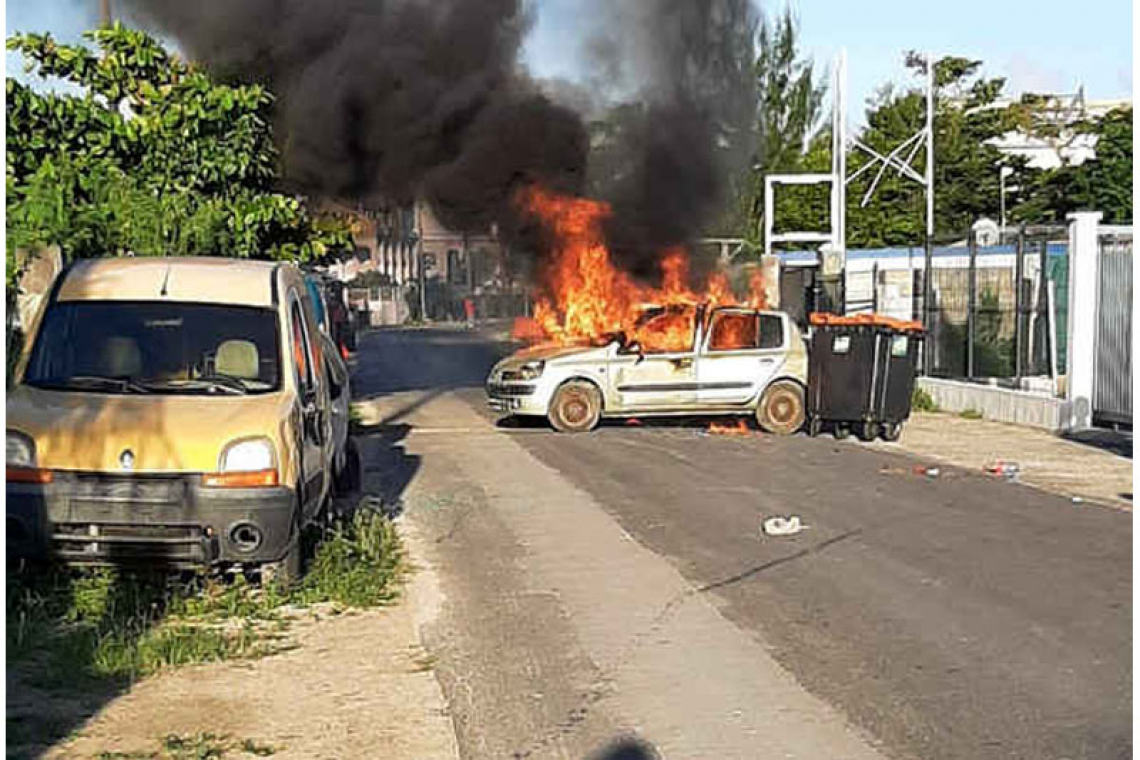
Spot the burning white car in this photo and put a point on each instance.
(737, 361)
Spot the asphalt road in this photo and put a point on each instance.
(948, 617)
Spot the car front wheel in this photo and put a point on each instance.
(576, 408)
(781, 409)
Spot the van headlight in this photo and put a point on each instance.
(21, 450)
(249, 455)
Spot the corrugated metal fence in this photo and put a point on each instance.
(1112, 391)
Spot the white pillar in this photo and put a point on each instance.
(1084, 258)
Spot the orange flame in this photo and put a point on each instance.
(740, 428)
(585, 298)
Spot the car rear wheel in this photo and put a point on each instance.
(576, 408)
(781, 409)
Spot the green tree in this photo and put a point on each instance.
(151, 157)
(1101, 184)
(788, 109)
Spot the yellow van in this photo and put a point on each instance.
(172, 411)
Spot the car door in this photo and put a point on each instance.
(312, 429)
(650, 375)
(742, 351)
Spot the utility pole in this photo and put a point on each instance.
(105, 19)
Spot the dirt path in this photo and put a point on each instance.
(358, 685)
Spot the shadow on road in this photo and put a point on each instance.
(627, 748)
(1113, 441)
(398, 360)
(388, 467)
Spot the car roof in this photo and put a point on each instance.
(197, 279)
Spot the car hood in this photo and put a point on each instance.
(166, 433)
(550, 352)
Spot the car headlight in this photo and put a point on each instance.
(530, 370)
(250, 455)
(21, 450)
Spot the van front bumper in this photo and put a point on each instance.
(173, 521)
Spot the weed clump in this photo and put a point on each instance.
(921, 401)
(67, 625)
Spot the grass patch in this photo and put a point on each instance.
(357, 565)
(921, 401)
(201, 746)
(75, 631)
(970, 414)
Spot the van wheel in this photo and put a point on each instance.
(347, 480)
(891, 431)
(286, 571)
(576, 408)
(781, 409)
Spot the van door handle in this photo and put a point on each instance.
(767, 361)
(682, 363)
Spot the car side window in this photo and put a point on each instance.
(733, 332)
(771, 331)
(302, 352)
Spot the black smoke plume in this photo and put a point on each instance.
(681, 74)
(391, 99)
(396, 99)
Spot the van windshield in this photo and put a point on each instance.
(154, 347)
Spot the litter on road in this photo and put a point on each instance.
(783, 526)
(1008, 470)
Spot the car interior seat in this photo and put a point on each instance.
(237, 358)
(121, 357)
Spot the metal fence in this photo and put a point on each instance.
(990, 312)
(995, 312)
(1112, 389)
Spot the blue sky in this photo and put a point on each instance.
(1036, 44)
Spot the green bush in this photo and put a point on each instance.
(921, 401)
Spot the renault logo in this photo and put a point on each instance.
(127, 459)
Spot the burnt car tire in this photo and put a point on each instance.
(576, 408)
(781, 409)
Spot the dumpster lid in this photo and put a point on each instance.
(873, 320)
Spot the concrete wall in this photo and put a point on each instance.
(999, 404)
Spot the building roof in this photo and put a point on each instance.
(185, 279)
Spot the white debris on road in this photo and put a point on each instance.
(783, 526)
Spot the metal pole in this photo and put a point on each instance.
(875, 288)
(929, 145)
(1001, 186)
(105, 19)
(1018, 306)
(420, 259)
(928, 306)
(1043, 298)
(971, 306)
